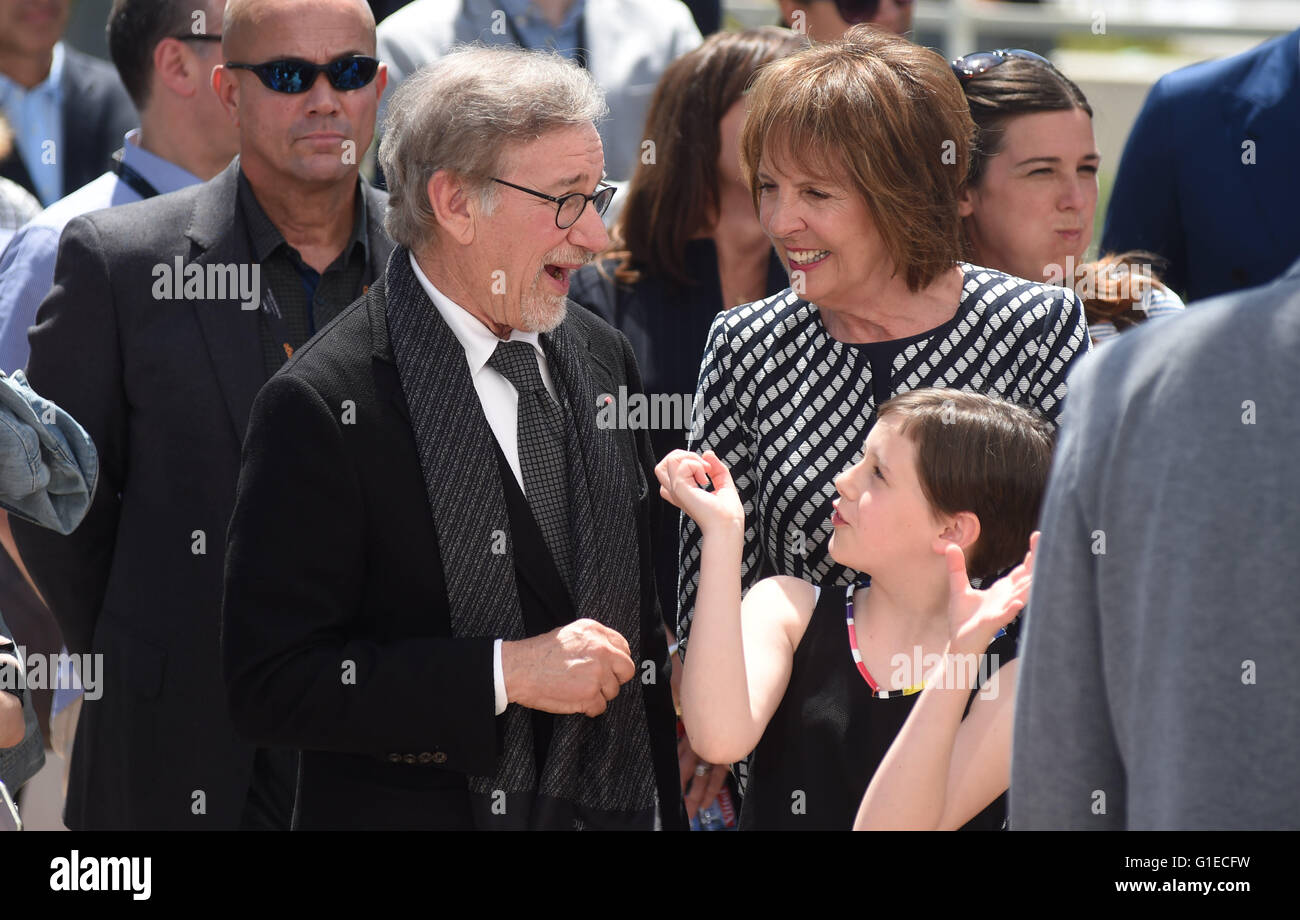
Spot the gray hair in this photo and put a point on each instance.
(463, 112)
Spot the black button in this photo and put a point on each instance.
(426, 757)
(395, 758)
(408, 758)
(439, 757)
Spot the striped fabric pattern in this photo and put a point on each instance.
(787, 407)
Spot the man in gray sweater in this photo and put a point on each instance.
(1158, 683)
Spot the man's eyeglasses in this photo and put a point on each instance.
(196, 37)
(972, 65)
(568, 208)
(293, 75)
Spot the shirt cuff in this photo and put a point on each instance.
(498, 677)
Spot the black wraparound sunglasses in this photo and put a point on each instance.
(294, 75)
(972, 65)
(568, 208)
(197, 37)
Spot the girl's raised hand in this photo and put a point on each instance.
(975, 616)
(683, 478)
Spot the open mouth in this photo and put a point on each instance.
(806, 257)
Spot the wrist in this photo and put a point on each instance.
(513, 669)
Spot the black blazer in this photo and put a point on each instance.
(334, 565)
(96, 115)
(164, 388)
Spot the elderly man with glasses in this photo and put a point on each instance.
(166, 318)
(439, 584)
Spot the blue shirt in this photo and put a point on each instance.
(27, 265)
(536, 31)
(36, 115)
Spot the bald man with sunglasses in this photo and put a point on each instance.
(166, 318)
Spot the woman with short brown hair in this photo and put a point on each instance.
(856, 152)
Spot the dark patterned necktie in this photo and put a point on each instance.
(541, 449)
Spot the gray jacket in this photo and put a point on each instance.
(1157, 686)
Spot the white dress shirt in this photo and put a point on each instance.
(498, 396)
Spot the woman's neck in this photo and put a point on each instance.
(888, 310)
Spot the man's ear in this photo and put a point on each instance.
(450, 200)
(965, 202)
(174, 68)
(962, 528)
(226, 87)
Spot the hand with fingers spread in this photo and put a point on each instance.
(975, 616)
(576, 668)
(684, 478)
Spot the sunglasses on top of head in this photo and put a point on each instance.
(293, 75)
(972, 65)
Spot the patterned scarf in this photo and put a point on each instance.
(598, 772)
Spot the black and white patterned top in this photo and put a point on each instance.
(787, 407)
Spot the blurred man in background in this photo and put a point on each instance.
(68, 110)
(827, 20)
(625, 44)
(1208, 181)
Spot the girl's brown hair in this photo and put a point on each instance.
(979, 454)
(673, 194)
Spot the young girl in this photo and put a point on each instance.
(818, 682)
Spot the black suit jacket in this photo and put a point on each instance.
(96, 115)
(337, 633)
(164, 388)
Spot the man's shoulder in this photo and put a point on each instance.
(1240, 342)
(1195, 84)
(590, 326)
(154, 222)
(95, 195)
(333, 359)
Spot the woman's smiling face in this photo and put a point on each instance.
(823, 231)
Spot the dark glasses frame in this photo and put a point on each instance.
(196, 37)
(600, 200)
(276, 76)
(981, 62)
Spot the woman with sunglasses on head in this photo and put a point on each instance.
(1031, 192)
(686, 246)
(855, 152)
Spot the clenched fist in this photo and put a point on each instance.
(576, 668)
